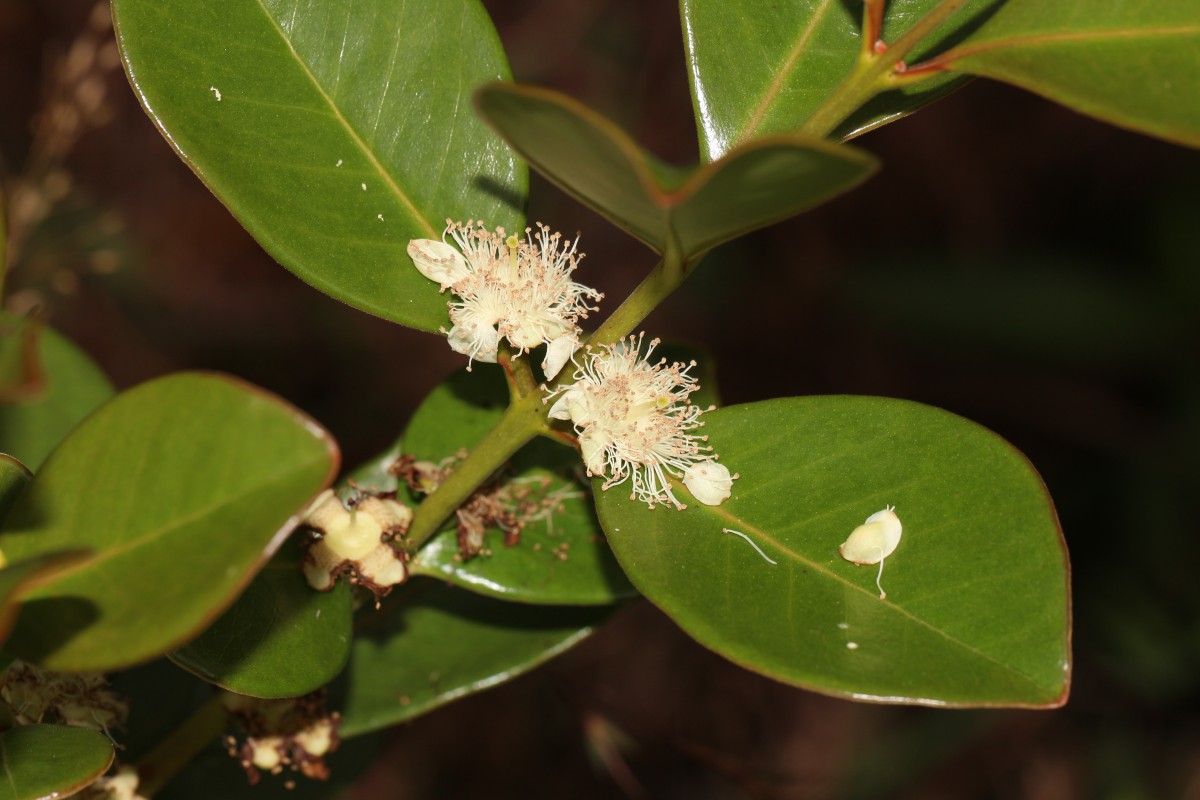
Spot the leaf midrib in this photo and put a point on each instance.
(175, 524)
(782, 75)
(1098, 34)
(386, 176)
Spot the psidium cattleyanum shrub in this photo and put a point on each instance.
(632, 415)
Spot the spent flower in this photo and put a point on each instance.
(635, 424)
(508, 288)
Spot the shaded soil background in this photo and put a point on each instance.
(1015, 263)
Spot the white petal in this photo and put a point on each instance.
(438, 261)
(709, 482)
(526, 336)
(562, 406)
(592, 445)
(479, 342)
(875, 539)
(558, 352)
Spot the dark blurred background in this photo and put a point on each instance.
(1014, 262)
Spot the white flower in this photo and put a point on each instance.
(507, 288)
(635, 423)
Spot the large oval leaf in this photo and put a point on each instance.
(335, 133)
(562, 558)
(1131, 63)
(977, 609)
(45, 761)
(433, 644)
(183, 487)
(763, 66)
(280, 639)
(693, 209)
(69, 387)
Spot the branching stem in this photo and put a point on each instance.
(874, 72)
(524, 419)
(526, 415)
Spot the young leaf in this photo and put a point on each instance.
(432, 644)
(70, 387)
(977, 611)
(695, 209)
(562, 558)
(1127, 62)
(42, 761)
(280, 639)
(335, 133)
(763, 67)
(183, 487)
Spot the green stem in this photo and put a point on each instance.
(665, 278)
(523, 420)
(874, 73)
(162, 763)
(518, 373)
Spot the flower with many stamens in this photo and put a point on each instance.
(635, 424)
(508, 288)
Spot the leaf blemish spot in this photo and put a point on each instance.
(216, 92)
(364, 186)
(851, 645)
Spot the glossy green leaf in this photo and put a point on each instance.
(183, 487)
(977, 609)
(280, 639)
(431, 644)
(762, 67)
(69, 388)
(561, 559)
(594, 161)
(334, 132)
(1128, 62)
(213, 774)
(46, 761)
